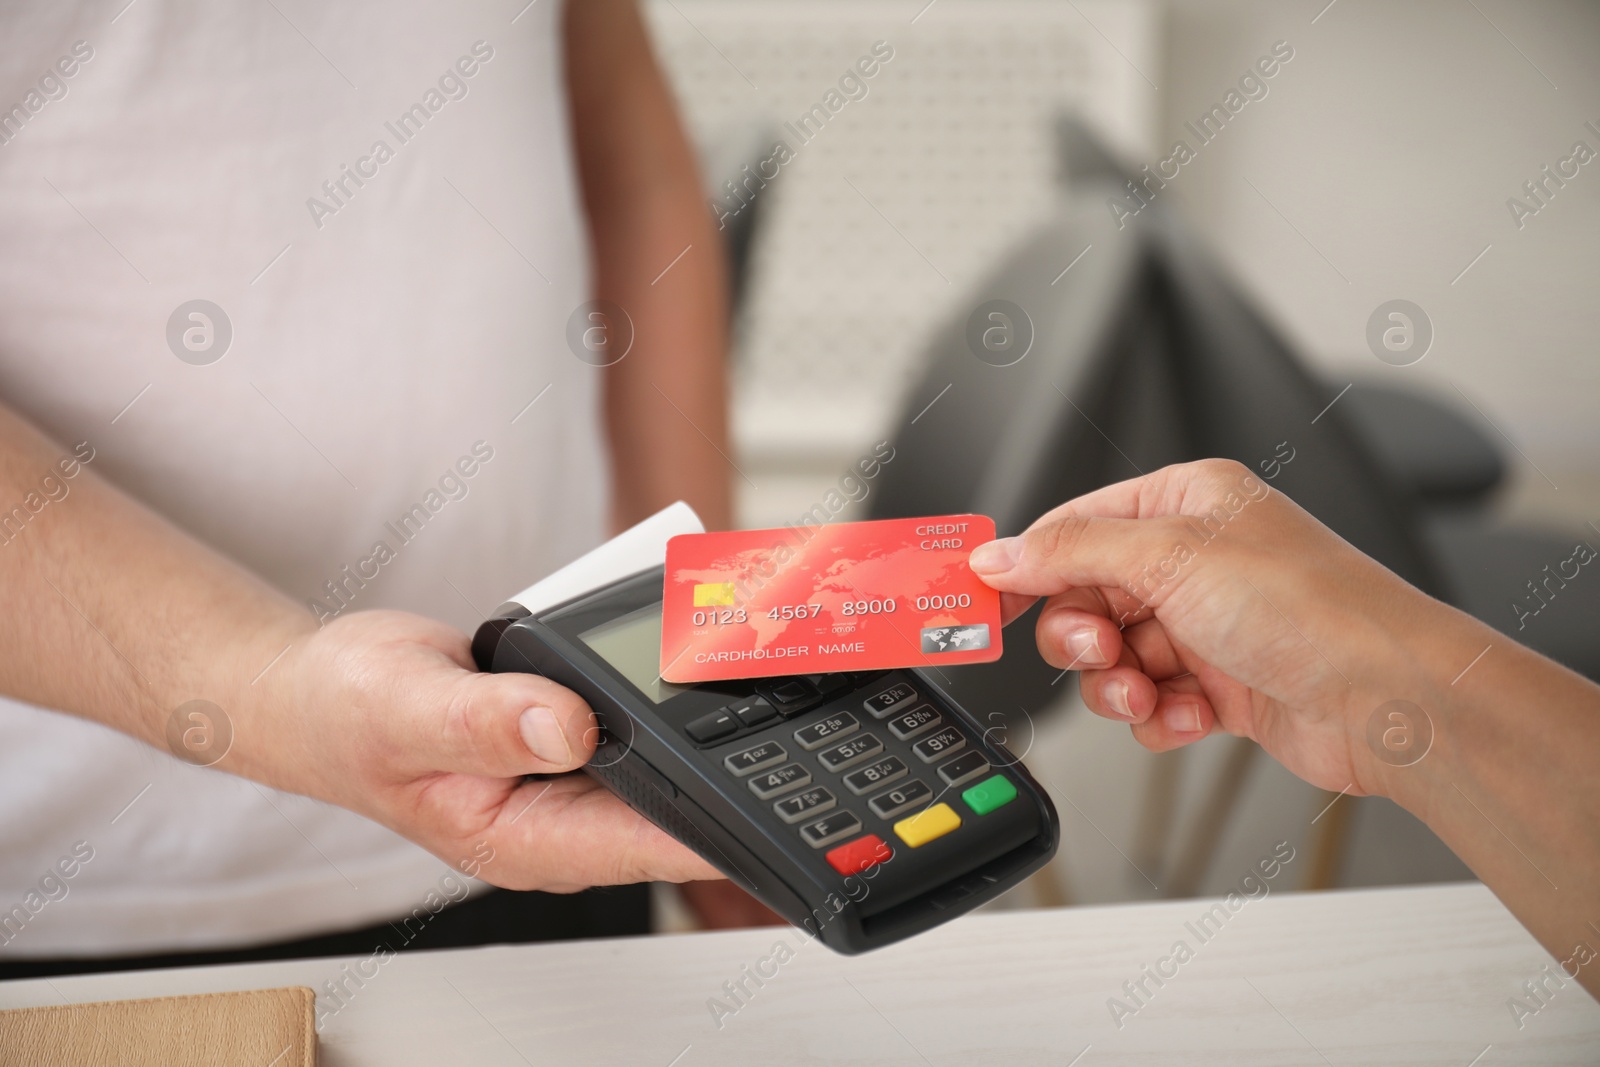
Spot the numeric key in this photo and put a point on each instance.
(775, 783)
(756, 758)
(883, 703)
(901, 798)
(877, 773)
(849, 753)
(813, 801)
(935, 747)
(918, 720)
(826, 729)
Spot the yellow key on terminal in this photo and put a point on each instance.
(925, 826)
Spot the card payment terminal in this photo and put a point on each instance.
(865, 808)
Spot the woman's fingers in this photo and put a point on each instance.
(1055, 555)
(1133, 675)
(1075, 632)
(1151, 644)
(1149, 689)
(1122, 693)
(1163, 715)
(1181, 716)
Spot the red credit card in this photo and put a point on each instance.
(818, 599)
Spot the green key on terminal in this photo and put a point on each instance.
(991, 793)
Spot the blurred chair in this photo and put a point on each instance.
(1140, 356)
(1010, 442)
(1140, 352)
(1429, 449)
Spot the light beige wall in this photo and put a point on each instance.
(1391, 142)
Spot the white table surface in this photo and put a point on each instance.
(1393, 976)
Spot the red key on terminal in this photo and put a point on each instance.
(859, 854)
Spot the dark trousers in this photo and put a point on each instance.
(496, 918)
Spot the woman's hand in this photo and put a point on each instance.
(1196, 598)
(384, 713)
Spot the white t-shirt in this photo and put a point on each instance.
(383, 328)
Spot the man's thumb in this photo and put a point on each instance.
(503, 725)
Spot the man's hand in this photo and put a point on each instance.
(724, 906)
(115, 616)
(665, 403)
(383, 713)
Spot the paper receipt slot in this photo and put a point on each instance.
(865, 808)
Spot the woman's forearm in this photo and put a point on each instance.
(1511, 778)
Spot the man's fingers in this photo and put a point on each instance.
(503, 725)
(722, 905)
(565, 834)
